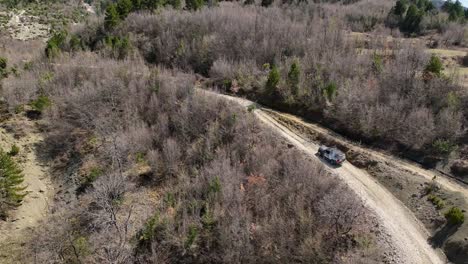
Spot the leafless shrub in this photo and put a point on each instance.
(161, 128)
(18, 52)
(237, 76)
(341, 218)
(111, 224)
(17, 91)
(454, 34)
(449, 124)
(107, 193)
(398, 105)
(155, 161)
(418, 128)
(171, 154)
(366, 15)
(229, 32)
(139, 136)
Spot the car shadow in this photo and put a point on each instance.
(441, 236)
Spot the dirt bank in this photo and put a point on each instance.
(24, 133)
(406, 181)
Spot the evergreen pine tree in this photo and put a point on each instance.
(459, 9)
(112, 17)
(55, 43)
(447, 5)
(329, 91)
(400, 8)
(11, 189)
(176, 4)
(454, 9)
(153, 4)
(137, 4)
(412, 20)
(267, 3)
(294, 78)
(3, 63)
(434, 66)
(194, 4)
(273, 81)
(3, 67)
(124, 7)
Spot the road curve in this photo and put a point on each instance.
(447, 183)
(407, 234)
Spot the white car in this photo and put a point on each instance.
(332, 155)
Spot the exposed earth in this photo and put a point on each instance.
(24, 133)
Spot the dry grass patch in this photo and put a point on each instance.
(448, 52)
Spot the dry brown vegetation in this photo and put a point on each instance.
(386, 99)
(150, 171)
(153, 172)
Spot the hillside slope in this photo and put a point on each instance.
(407, 233)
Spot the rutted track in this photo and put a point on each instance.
(447, 181)
(407, 234)
(36, 179)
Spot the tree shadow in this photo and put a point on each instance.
(439, 238)
(56, 152)
(147, 179)
(33, 114)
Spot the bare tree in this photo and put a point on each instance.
(341, 210)
(171, 154)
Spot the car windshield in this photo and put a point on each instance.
(339, 154)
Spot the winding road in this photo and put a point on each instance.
(407, 234)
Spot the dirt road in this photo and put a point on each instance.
(447, 183)
(39, 187)
(407, 234)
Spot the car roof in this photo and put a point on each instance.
(337, 151)
(332, 149)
